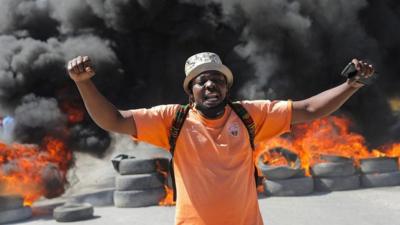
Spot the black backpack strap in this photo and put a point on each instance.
(177, 124)
(246, 119)
(251, 129)
(176, 127)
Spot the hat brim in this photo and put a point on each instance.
(207, 67)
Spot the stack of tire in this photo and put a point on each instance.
(336, 174)
(139, 182)
(12, 209)
(380, 172)
(285, 180)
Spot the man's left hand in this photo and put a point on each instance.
(364, 70)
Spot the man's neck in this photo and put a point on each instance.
(214, 112)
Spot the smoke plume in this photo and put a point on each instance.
(276, 49)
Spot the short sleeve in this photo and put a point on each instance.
(272, 118)
(153, 124)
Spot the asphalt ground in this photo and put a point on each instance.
(373, 206)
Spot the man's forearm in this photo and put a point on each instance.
(104, 114)
(322, 104)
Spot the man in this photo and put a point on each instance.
(213, 161)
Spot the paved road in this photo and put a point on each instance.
(375, 206)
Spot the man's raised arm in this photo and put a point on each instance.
(104, 114)
(329, 101)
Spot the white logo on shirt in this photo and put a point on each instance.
(234, 129)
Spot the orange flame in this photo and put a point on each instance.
(276, 159)
(327, 136)
(169, 192)
(169, 197)
(74, 112)
(22, 168)
(392, 150)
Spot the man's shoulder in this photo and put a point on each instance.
(253, 104)
(262, 106)
(165, 111)
(166, 107)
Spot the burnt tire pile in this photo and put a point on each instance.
(285, 180)
(337, 174)
(139, 183)
(380, 172)
(12, 209)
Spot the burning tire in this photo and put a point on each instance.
(289, 187)
(53, 181)
(271, 172)
(335, 158)
(379, 165)
(11, 202)
(17, 214)
(138, 198)
(380, 179)
(138, 181)
(326, 184)
(73, 212)
(333, 169)
(138, 166)
(280, 172)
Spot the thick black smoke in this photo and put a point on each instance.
(276, 49)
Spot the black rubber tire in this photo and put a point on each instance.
(379, 165)
(13, 215)
(335, 158)
(289, 187)
(162, 163)
(11, 202)
(138, 198)
(380, 179)
(138, 166)
(281, 172)
(327, 184)
(73, 212)
(333, 169)
(138, 181)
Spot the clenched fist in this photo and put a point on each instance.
(80, 68)
(364, 70)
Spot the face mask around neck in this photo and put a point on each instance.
(213, 112)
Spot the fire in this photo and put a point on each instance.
(276, 158)
(169, 192)
(32, 171)
(169, 197)
(74, 112)
(274, 143)
(392, 150)
(327, 136)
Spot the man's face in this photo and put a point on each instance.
(209, 89)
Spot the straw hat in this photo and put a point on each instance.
(202, 62)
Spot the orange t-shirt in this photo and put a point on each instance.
(213, 163)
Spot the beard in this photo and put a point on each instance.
(212, 112)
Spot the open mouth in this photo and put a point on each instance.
(213, 97)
